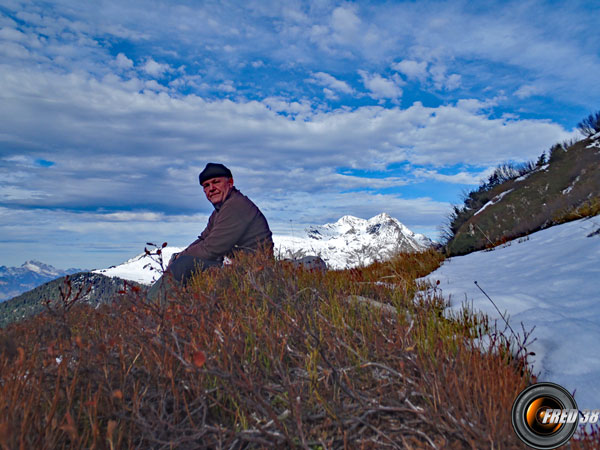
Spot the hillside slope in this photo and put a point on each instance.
(102, 289)
(545, 196)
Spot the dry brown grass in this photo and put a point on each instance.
(589, 208)
(261, 354)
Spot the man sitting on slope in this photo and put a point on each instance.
(236, 224)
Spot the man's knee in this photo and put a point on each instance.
(185, 266)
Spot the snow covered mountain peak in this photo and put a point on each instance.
(352, 241)
(32, 273)
(381, 217)
(141, 268)
(355, 225)
(40, 268)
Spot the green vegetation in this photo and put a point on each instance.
(260, 354)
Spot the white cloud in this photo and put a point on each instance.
(441, 80)
(342, 34)
(453, 82)
(123, 62)
(153, 85)
(18, 194)
(345, 24)
(12, 34)
(380, 87)
(155, 69)
(462, 177)
(527, 90)
(474, 105)
(282, 105)
(329, 94)
(332, 83)
(226, 86)
(413, 70)
(12, 50)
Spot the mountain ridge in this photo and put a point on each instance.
(352, 241)
(32, 273)
(338, 243)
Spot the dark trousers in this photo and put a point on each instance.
(179, 271)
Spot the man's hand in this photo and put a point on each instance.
(174, 256)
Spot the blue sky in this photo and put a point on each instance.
(321, 109)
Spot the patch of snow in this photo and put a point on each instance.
(549, 282)
(135, 268)
(570, 187)
(539, 169)
(524, 177)
(493, 201)
(596, 139)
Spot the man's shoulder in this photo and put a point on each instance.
(237, 198)
(237, 205)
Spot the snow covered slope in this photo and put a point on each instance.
(348, 242)
(548, 281)
(142, 268)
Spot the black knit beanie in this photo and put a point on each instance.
(214, 170)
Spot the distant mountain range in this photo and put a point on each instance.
(349, 242)
(16, 280)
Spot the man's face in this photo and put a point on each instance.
(216, 189)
